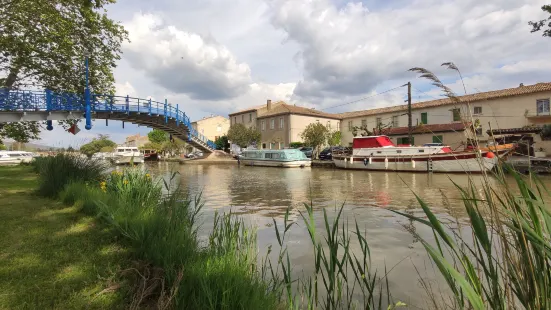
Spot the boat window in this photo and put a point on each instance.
(398, 151)
(379, 152)
(421, 151)
(271, 155)
(14, 155)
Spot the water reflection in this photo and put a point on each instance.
(260, 194)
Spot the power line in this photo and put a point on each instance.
(364, 98)
(425, 93)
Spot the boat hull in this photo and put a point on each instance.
(126, 160)
(446, 163)
(274, 163)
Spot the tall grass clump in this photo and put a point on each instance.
(506, 263)
(161, 226)
(55, 172)
(342, 278)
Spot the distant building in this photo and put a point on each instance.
(212, 127)
(136, 140)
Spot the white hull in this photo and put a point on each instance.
(275, 163)
(126, 160)
(14, 161)
(407, 164)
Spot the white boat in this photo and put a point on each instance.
(15, 157)
(127, 155)
(275, 158)
(379, 153)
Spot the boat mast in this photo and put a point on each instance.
(410, 137)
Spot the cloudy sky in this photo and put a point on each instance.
(219, 56)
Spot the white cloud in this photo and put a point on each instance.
(352, 50)
(184, 62)
(125, 89)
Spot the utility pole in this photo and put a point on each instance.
(410, 137)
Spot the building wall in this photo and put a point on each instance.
(300, 122)
(276, 138)
(212, 127)
(497, 113)
(247, 118)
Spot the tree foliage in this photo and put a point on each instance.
(43, 44)
(241, 135)
(173, 147)
(334, 138)
(96, 145)
(539, 25)
(3, 147)
(315, 135)
(20, 132)
(157, 136)
(152, 146)
(222, 143)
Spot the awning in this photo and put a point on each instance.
(512, 131)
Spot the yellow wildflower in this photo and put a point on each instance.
(125, 182)
(147, 175)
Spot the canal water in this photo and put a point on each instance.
(261, 194)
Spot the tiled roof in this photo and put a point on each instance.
(509, 92)
(284, 108)
(252, 109)
(432, 128)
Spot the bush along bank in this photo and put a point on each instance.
(505, 263)
(162, 230)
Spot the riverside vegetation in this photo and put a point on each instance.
(504, 263)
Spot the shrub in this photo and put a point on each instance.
(54, 173)
(295, 145)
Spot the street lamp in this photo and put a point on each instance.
(88, 113)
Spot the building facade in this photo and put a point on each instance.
(212, 127)
(136, 140)
(512, 109)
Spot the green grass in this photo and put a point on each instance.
(53, 256)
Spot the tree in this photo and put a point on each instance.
(43, 43)
(20, 132)
(173, 147)
(70, 149)
(222, 143)
(157, 136)
(538, 25)
(334, 138)
(3, 147)
(97, 145)
(152, 146)
(241, 135)
(315, 135)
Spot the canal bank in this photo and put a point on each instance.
(52, 255)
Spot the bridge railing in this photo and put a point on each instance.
(29, 100)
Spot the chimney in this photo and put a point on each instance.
(269, 104)
(521, 85)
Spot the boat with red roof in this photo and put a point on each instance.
(380, 153)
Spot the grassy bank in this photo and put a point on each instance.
(51, 255)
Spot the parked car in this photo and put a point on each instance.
(307, 151)
(197, 154)
(327, 153)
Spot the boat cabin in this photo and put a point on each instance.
(277, 155)
(382, 146)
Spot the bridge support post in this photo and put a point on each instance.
(127, 104)
(177, 114)
(149, 106)
(88, 113)
(166, 115)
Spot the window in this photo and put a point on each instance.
(271, 155)
(456, 115)
(477, 110)
(424, 118)
(395, 121)
(235, 119)
(272, 123)
(405, 140)
(328, 125)
(437, 139)
(350, 126)
(263, 125)
(272, 146)
(242, 118)
(543, 106)
(478, 131)
(250, 117)
(281, 145)
(364, 123)
(219, 128)
(263, 145)
(338, 126)
(281, 123)
(378, 121)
